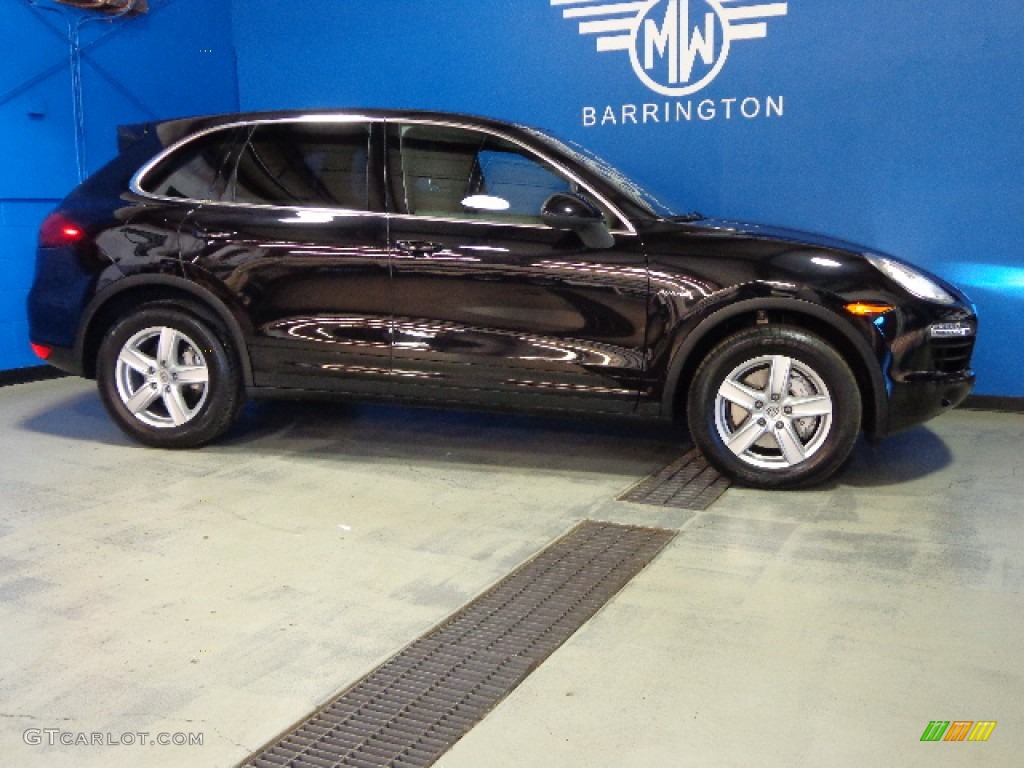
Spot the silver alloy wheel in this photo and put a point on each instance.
(773, 412)
(162, 377)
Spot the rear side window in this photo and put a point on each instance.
(308, 164)
(199, 170)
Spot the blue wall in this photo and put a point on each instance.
(177, 59)
(902, 123)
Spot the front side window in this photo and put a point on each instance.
(597, 165)
(304, 164)
(459, 173)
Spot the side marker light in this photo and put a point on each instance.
(868, 309)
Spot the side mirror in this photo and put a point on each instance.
(563, 211)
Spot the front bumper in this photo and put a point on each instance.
(918, 398)
(928, 370)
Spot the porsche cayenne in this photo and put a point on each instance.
(443, 258)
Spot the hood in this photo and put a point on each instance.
(741, 228)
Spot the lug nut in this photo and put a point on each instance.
(759, 404)
(787, 410)
(779, 425)
(761, 422)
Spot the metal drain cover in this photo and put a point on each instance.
(414, 707)
(687, 483)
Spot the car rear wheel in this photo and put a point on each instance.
(168, 378)
(775, 407)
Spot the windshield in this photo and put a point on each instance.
(606, 171)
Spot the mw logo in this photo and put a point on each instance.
(958, 730)
(676, 47)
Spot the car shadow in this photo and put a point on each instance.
(486, 438)
(341, 430)
(80, 416)
(899, 459)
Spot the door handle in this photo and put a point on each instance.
(206, 234)
(418, 247)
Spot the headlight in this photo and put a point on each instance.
(912, 280)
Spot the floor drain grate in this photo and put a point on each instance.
(688, 483)
(415, 706)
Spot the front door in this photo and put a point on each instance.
(490, 304)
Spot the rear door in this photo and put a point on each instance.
(297, 242)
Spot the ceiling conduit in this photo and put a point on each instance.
(112, 10)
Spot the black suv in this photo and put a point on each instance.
(435, 257)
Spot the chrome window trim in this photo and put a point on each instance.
(136, 183)
(334, 212)
(489, 222)
(340, 213)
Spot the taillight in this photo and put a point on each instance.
(58, 230)
(42, 351)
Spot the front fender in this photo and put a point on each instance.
(700, 331)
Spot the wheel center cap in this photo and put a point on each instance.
(773, 410)
(164, 377)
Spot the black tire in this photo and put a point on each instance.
(168, 378)
(799, 437)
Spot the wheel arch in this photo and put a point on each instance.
(105, 309)
(725, 321)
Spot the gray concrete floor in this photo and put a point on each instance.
(230, 590)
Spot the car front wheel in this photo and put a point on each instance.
(775, 407)
(168, 379)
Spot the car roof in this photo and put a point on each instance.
(170, 131)
(189, 124)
